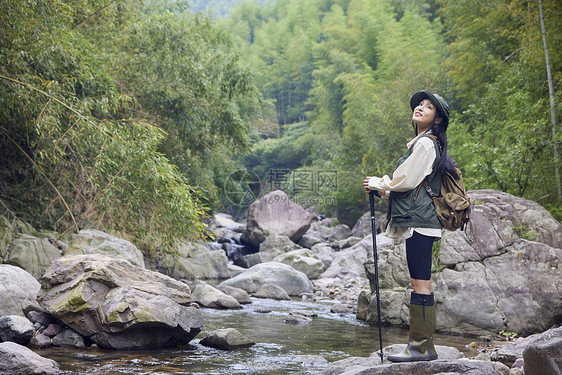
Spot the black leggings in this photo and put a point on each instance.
(418, 254)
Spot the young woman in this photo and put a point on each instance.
(412, 215)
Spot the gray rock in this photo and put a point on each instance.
(313, 361)
(345, 243)
(294, 282)
(445, 353)
(309, 240)
(250, 260)
(240, 294)
(52, 330)
(16, 328)
(194, 260)
(40, 341)
(519, 362)
(324, 252)
(16, 359)
(352, 364)
(509, 353)
(209, 296)
(339, 232)
(226, 339)
(297, 319)
(501, 368)
(275, 245)
(493, 281)
(33, 254)
(362, 227)
(222, 220)
(520, 214)
(69, 337)
(18, 291)
(320, 230)
(543, 355)
(510, 291)
(308, 314)
(40, 317)
(516, 371)
(118, 305)
(303, 260)
(353, 258)
(235, 270)
(341, 308)
(457, 367)
(91, 241)
(272, 291)
(275, 213)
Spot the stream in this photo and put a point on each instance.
(281, 348)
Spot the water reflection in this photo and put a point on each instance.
(281, 348)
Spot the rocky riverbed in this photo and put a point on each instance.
(93, 291)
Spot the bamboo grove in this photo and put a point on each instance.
(129, 115)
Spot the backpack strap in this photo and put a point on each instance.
(425, 184)
(428, 189)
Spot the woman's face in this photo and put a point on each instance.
(425, 115)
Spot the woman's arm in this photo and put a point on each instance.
(410, 173)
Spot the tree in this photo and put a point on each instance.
(502, 137)
(83, 138)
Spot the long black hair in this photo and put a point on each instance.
(440, 131)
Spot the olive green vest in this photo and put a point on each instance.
(414, 208)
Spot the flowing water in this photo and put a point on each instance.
(281, 348)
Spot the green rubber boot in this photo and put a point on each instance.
(422, 328)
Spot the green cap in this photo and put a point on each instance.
(436, 99)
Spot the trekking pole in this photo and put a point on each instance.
(372, 194)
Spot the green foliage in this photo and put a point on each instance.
(114, 118)
(524, 232)
(131, 115)
(504, 137)
(176, 69)
(508, 335)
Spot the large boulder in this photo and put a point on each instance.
(225, 221)
(363, 225)
(275, 245)
(339, 232)
(518, 291)
(9, 230)
(493, 280)
(193, 260)
(33, 254)
(226, 339)
(272, 291)
(16, 359)
(18, 291)
(209, 296)
(543, 355)
(294, 282)
(275, 213)
(352, 259)
(318, 232)
(16, 328)
(118, 305)
(91, 241)
(457, 367)
(240, 294)
(303, 260)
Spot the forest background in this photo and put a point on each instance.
(133, 116)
